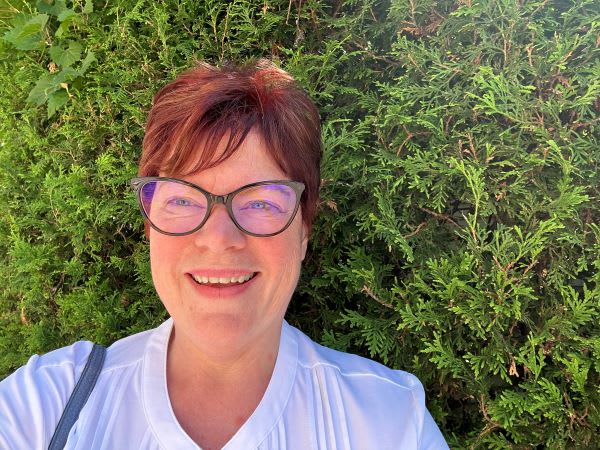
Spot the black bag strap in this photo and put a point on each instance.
(79, 396)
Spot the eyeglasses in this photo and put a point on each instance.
(176, 207)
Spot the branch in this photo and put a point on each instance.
(371, 294)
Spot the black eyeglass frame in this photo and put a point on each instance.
(139, 182)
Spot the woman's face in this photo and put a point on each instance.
(220, 317)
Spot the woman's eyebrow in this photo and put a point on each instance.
(280, 188)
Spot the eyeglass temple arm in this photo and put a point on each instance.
(135, 182)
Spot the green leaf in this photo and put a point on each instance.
(55, 9)
(26, 33)
(66, 57)
(49, 83)
(66, 14)
(88, 8)
(67, 74)
(45, 86)
(66, 18)
(56, 100)
(90, 57)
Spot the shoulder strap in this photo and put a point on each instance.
(79, 396)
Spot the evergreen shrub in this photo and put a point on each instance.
(459, 233)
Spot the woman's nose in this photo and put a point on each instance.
(219, 232)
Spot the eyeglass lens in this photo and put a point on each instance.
(178, 208)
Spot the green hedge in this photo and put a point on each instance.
(458, 235)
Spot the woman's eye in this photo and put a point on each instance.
(261, 205)
(258, 205)
(181, 202)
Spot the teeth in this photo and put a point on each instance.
(222, 280)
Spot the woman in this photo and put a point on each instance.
(229, 180)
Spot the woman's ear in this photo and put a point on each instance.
(305, 236)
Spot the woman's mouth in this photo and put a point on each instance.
(223, 281)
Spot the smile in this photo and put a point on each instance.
(223, 280)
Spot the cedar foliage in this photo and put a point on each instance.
(458, 236)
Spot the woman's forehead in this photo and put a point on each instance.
(251, 153)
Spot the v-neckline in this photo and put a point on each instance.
(159, 412)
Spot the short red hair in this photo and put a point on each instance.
(206, 104)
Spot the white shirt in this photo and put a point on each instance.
(317, 398)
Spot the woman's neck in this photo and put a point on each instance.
(213, 393)
(221, 364)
